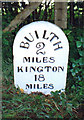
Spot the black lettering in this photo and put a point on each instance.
(51, 60)
(30, 86)
(38, 61)
(26, 69)
(45, 59)
(36, 34)
(27, 86)
(34, 86)
(32, 68)
(35, 77)
(29, 39)
(47, 68)
(20, 69)
(32, 59)
(55, 36)
(59, 67)
(51, 86)
(37, 86)
(45, 86)
(24, 45)
(40, 69)
(54, 69)
(58, 47)
(26, 59)
(41, 78)
(44, 35)
(40, 46)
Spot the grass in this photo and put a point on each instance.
(18, 105)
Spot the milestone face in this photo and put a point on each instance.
(40, 58)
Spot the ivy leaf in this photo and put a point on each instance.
(81, 61)
(81, 53)
(79, 44)
(74, 65)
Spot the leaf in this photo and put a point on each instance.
(73, 87)
(81, 61)
(81, 53)
(74, 65)
(60, 117)
(73, 73)
(79, 44)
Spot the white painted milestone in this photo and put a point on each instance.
(40, 58)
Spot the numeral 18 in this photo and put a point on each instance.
(39, 78)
